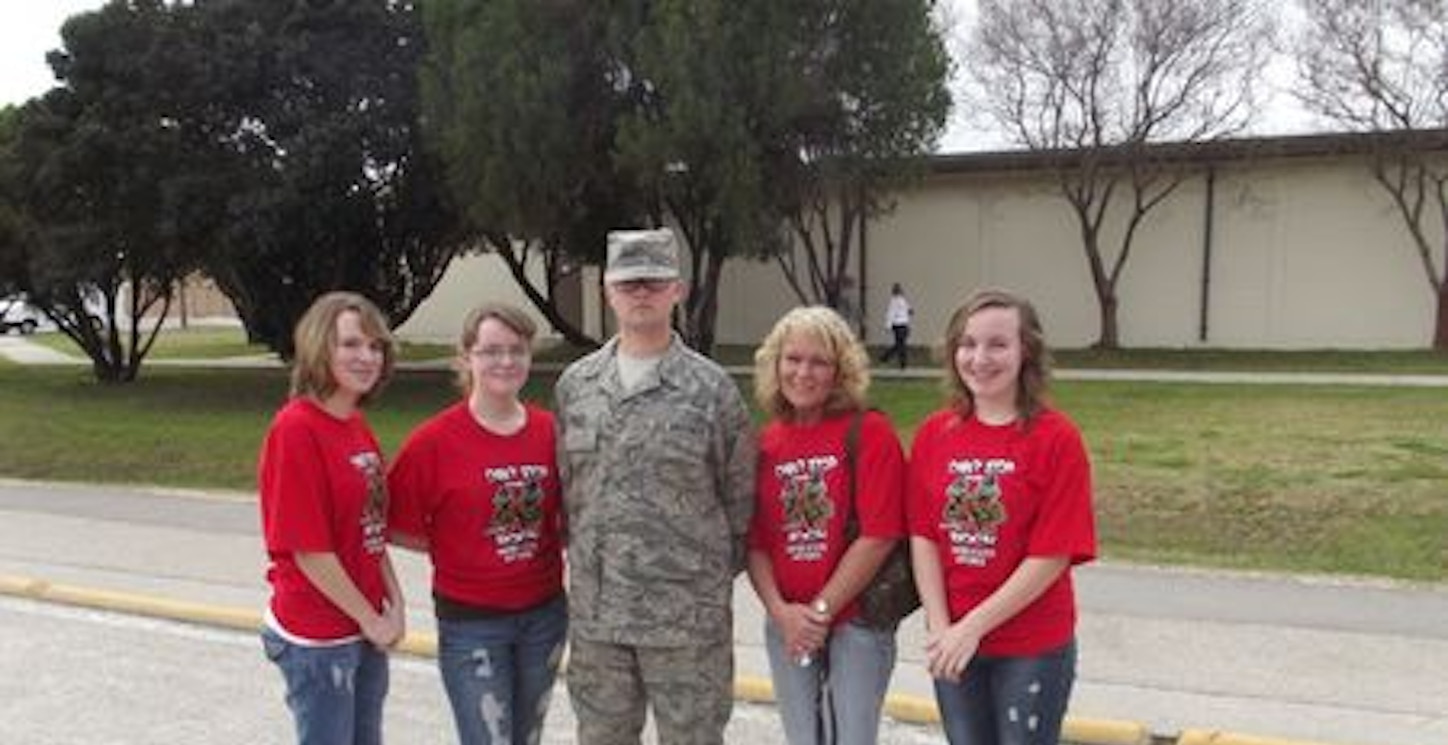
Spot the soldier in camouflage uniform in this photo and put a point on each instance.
(657, 458)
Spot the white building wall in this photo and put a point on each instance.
(1307, 253)
(470, 281)
(752, 294)
(1311, 255)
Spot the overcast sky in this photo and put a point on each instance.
(30, 28)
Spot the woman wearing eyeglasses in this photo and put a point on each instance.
(476, 487)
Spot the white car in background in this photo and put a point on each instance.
(18, 315)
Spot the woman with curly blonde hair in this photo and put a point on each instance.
(830, 672)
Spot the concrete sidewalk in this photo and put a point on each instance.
(141, 681)
(24, 351)
(1166, 654)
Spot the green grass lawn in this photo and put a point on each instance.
(1302, 478)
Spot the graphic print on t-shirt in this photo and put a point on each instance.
(517, 510)
(973, 508)
(807, 505)
(374, 512)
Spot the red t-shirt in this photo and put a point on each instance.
(990, 496)
(489, 505)
(322, 491)
(802, 498)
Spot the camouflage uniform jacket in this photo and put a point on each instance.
(658, 484)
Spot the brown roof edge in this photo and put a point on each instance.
(1286, 146)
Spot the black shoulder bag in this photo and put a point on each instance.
(891, 595)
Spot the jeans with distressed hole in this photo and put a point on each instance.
(1009, 700)
(335, 693)
(499, 672)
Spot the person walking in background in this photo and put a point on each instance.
(657, 459)
(898, 315)
(335, 606)
(847, 304)
(476, 487)
(830, 673)
(999, 507)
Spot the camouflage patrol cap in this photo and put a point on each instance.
(641, 254)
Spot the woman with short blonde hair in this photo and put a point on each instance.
(828, 511)
(852, 362)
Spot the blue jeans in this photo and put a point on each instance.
(838, 698)
(335, 693)
(499, 672)
(1009, 700)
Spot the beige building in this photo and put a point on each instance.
(474, 279)
(194, 299)
(1304, 250)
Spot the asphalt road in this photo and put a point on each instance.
(1316, 659)
(71, 675)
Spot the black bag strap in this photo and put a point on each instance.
(826, 722)
(852, 446)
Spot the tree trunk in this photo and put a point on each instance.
(544, 304)
(1110, 338)
(702, 312)
(1440, 329)
(108, 372)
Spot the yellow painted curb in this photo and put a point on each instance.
(418, 644)
(917, 710)
(753, 689)
(125, 602)
(1104, 732)
(902, 707)
(151, 606)
(1217, 737)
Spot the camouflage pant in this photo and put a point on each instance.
(689, 689)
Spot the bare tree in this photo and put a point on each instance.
(1382, 67)
(873, 100)
(1095, 82)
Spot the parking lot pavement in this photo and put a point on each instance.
(1325, 659)
(70, 675)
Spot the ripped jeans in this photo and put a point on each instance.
(499, 672)
(335, 693)
(1009, 700)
